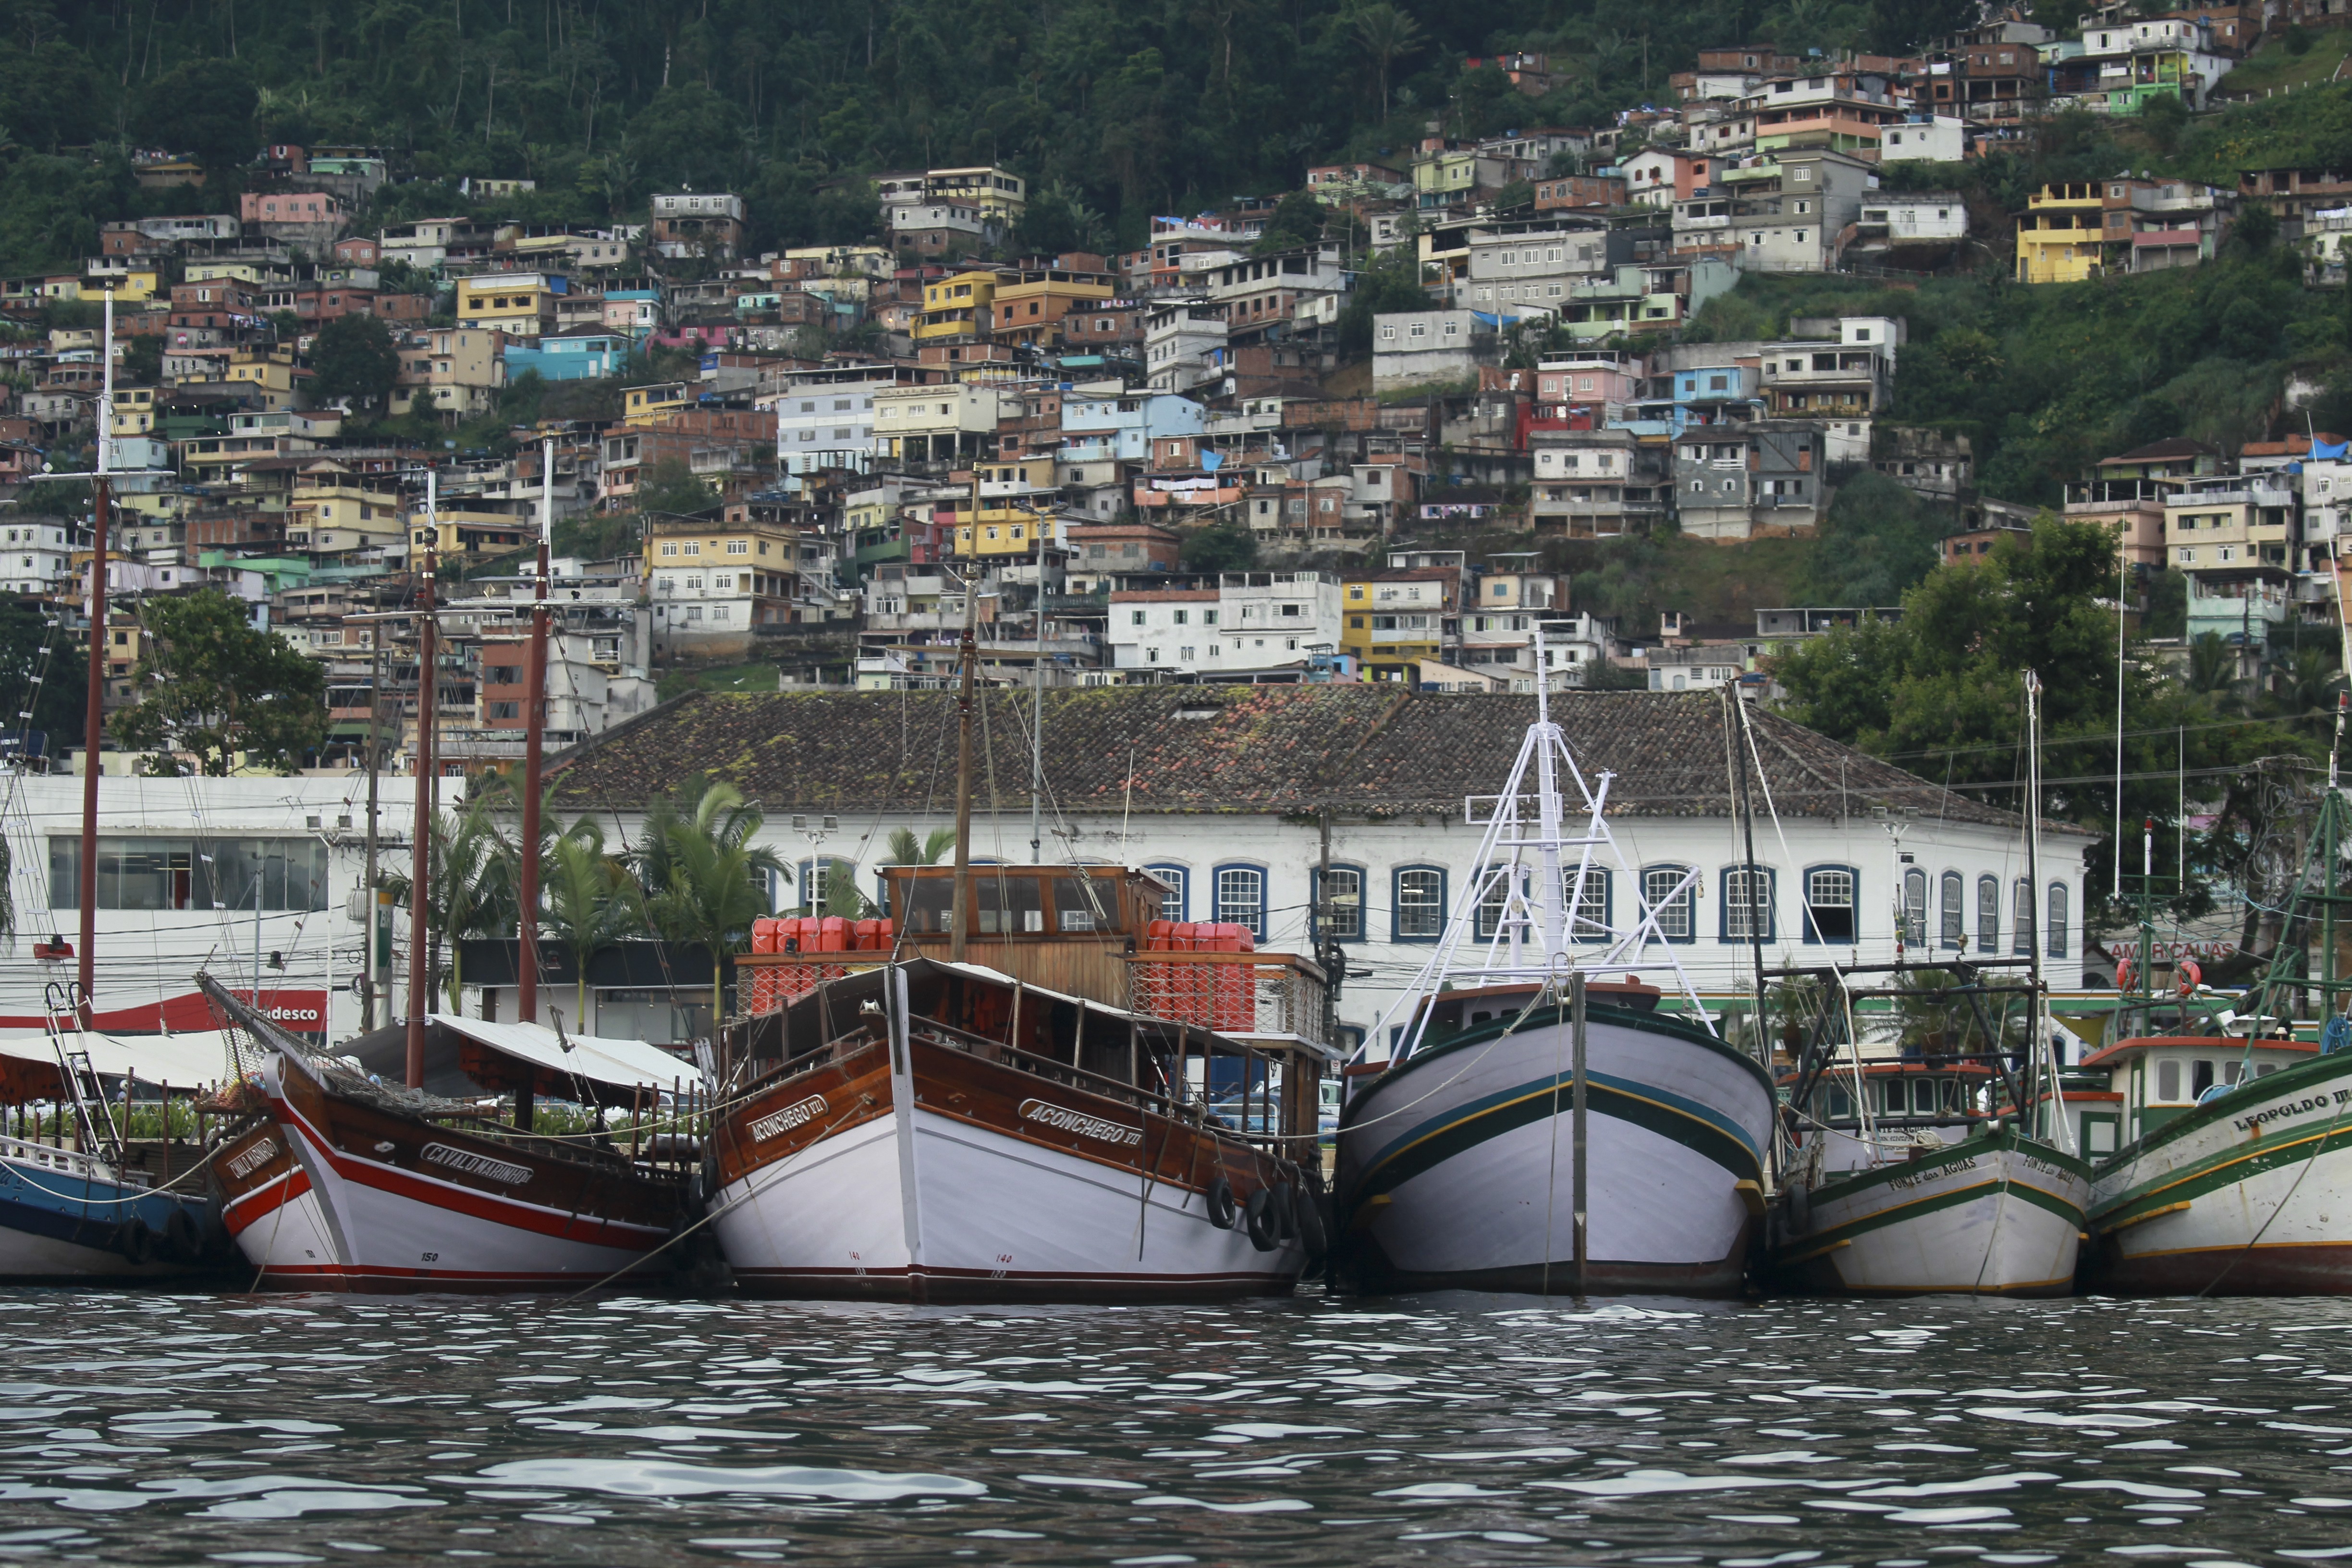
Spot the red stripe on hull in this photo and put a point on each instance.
(239, 1217)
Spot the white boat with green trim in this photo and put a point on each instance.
(1464, 1160)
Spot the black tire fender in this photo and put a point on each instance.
(1308, 1211)
(1264, 1225)
(135, 1242)
(1220, 1202)
(183, 1241)
(1283, 1200)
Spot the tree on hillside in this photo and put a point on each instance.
(1220, 547)
(354, 357)
(673, 487)
(205, 107)
(1390, 285)
(1386, 34)
(58, 704)
(1298, 221)
(1877, 541)
(212, 686)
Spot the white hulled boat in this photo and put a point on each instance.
(1487, 1151)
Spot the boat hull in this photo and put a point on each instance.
(1995, 1216)
(2241, 1197)
(61, 1216)
(1456, 1168)
(269, 1204)
(393, 1204)
(968, 1179)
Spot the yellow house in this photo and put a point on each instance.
(1389, 619)
(959, 307)
(2059, 238)
(134, 411)
(519, 304)
(465, 532)
(646, 405)
(996, 194)
(332, 511)
(1030, 307)
(274, 372)
(1003, 525)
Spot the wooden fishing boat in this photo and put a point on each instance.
(905, 1127)
(334, 1181)
(1535, 1128)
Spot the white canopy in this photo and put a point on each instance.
(612, 1064)
(182, 1060)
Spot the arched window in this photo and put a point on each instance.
(1340, 894)
(2057, 940)
(1671, 894)
(1828, 903)
(2020, 919)
(1241, 897)
(1988, 914)
(1915, 907)
(1417, 907)
(1586, 907)
(1178, 881)
(1952, 892)
(1493, 891)
(1748, 908)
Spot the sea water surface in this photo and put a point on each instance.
(1440, 1429)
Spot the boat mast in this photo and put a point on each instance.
(967, 659)
(534, 721)
(1037, 713)
(420, 864)
(1547, 810)
(94, 717)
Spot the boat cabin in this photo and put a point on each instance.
(2126, 1090)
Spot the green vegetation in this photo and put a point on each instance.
(211, 686)
(2279, 64)
(680, 679)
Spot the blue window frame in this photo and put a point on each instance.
(1988, 914)
(1417, 903)
(1830, 908)
(1239, 891)
(2020, 919)
(2056, 947)
(1676, 912)
(1346, 896)
(1179, 881)
(1738, 905)
(1591, 919)
(1952, 894)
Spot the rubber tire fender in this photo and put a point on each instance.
(1308, 1210)
(1285, 1203)
(1264, 1225)
(183, 1241)
(1220, 1202)
(135, 1242)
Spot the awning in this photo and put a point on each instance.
(600, 1068)
(184, 1060)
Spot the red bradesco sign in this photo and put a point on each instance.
(300, 1012)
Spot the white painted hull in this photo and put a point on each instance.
(381, 1227)
(2249, 1194)
(987, 1216)
(280, 1228)
(1456, 1169)
(1994, 1215)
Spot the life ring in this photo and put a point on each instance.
(135, 1242)
(2191, 975)
(2124, 975)
(183, 1242)
(1220, 1202)
(1264, 1225)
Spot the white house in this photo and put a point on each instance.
(1224, 793)
(36, 554)
(1927, 138)
(1230, 620)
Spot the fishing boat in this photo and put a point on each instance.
(333, 1180)
(72, 1208)
(2234, 1123)
(905, 1126)
(1906, 1180)
(1539, 1128)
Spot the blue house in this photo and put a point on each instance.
(580, 355)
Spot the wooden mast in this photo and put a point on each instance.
(966, 663)
(534, 721)
(420, 865)
(94, 716)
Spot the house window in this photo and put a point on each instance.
(2056, 947)
(1588, 907)
(1178, 879)
(1952, 892)
(1241, 897)
(1748, 900)
(1340, 894)
(2020, 918)
(1829, 904)
(1420, 904)
(1988, 914)
(1915, 907)
(1671, 895)
(1495, 892)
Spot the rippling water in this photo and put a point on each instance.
(145, 1428)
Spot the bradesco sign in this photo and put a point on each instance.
(302, 1012)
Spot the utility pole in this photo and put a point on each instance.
(94, 716)
(967, 661)
(420, 862)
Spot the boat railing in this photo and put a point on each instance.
(1252, 996)
(1046, 1068)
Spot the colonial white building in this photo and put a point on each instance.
(1225, 792)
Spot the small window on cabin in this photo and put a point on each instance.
(2231, 1071)
(2167, 1080)
(1839, 1104)
(2264, 1069)
(1081, 904)
(2098, 1135)
(2201, 1079)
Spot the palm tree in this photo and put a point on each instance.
(1386, 34)
(592, 902)
(706, 882)
(2213, 668)
(905, 850)
(472, 893)
(2307, 684)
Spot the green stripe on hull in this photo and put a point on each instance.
(2279, 1085)
(1492, 1122)
(2010, 1141)
(2225, 1169)
(1820, 1240)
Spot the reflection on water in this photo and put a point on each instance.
(1452, 1429)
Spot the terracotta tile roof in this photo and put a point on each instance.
(1361, 749)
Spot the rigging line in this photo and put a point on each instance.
(2081, 736)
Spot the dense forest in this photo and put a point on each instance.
(1115, 110)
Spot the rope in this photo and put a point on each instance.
(114, 1203)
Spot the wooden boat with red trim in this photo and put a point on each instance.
(908, 1128)
(330, 1180)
